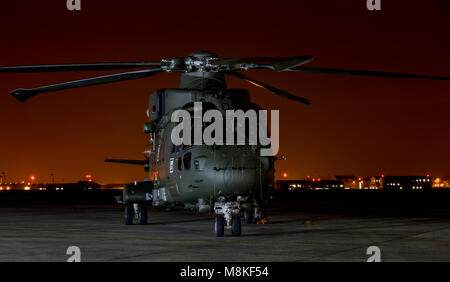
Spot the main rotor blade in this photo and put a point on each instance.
(77, 67)
(291, 63)
(24, 94)
(365, 73)
(278, 63)
(133, 162)
(274, 90)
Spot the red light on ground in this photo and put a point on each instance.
(285, 174)
(428, 175)
(309, 176)
(382, 176)
(32, 177)
(359, 179)
(318, 179)
(314, 180)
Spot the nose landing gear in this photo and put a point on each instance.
(227, 216)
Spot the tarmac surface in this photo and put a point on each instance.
(44, 232)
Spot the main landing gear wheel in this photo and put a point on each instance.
(136, 212)
(248, 218)
(129, 214)
(236, 226)
(143, 215)
(219, 226)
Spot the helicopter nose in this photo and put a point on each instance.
(235, 170)
(226, 170)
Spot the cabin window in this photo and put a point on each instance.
(187, 160)
(180, 164)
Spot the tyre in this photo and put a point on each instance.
(219, 226)
(129, 214)
(248, 217)
(143, 215)
(236, 226)
(263, 213)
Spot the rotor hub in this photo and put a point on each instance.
(200, 61)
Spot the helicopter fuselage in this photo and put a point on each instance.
(189, 174)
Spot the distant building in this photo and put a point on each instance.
(349, 181)
(441, 182)
(15, 186)
(407, 183)
(291, 185)
(376, 182)
(79, 186)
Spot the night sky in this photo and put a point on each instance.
(355, 125)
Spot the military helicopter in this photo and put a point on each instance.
(225, 179)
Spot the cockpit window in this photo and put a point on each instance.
(176, 148)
